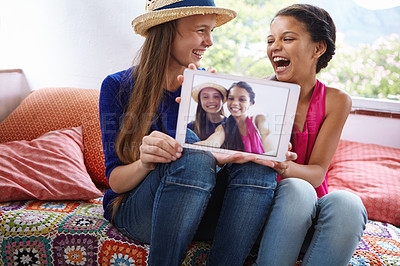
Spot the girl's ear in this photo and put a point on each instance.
(320, 48)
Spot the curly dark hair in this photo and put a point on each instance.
(319, 24)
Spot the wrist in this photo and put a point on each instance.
(147, 166)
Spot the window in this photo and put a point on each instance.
(367, 59)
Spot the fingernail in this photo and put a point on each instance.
(180, 149)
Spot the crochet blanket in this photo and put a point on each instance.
(75, 233)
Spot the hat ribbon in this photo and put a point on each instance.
(188, 3)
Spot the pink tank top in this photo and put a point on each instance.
(303, 142)
(252, 141)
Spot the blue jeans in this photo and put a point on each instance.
(326, 230)
(168, 207)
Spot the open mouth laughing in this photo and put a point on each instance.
(199, 53)
(281, 63)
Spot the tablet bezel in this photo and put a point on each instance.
(293, 91)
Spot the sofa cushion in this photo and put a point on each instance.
(372, 172)
(50, 167)
(50, 109)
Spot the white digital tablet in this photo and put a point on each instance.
(230, 114)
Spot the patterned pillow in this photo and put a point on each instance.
(50, 167)
(373, 173)
(50, 109)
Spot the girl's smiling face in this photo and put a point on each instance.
(193, 38)
(211, 100)
(291, 50)
(238, 101)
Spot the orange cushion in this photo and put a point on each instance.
(50, 109)
(50, 167)
(372, 172)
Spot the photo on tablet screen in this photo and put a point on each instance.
(231, 114)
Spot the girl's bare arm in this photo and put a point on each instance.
(338, 105)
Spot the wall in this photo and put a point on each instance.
(69, 43)
(76, 43)
(374, 121)
(13, 89)
(373, 129)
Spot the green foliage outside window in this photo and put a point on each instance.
(371, 71)
(368, 70)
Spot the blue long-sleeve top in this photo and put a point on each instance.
(115, 92)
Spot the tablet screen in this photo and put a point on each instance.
(230, 114)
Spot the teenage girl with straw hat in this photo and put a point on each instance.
(210, 98)
(162, 194)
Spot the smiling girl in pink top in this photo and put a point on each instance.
(323, 228)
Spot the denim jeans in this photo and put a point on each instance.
(168, 207)
(326, 230)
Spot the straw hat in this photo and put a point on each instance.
(161, 11)
(197, 89)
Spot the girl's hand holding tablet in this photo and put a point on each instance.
(158, 147)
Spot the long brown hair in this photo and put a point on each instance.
(148, 79)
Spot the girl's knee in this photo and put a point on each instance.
(297, 190)
(346, 201)
(194, 168)
(196, 158)
(295, 185)
(252, 174)
(345, 205)
(296, 196)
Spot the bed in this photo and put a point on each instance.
(51, 204)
